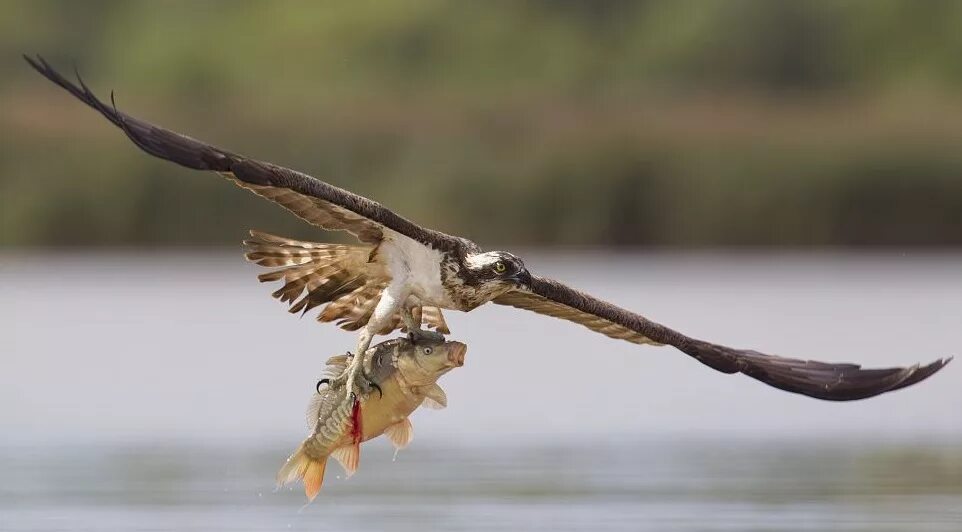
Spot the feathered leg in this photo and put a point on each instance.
(394, 299)
(391, 301)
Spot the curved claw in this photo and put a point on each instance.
(380, 392)
(320, 382)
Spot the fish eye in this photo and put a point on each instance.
(499, 267)
(428, 350)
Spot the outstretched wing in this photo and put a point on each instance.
(822, 380)
(311, 199)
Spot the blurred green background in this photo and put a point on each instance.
(611, 123)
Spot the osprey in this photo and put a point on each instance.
(404, 274)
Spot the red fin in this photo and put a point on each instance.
(350, 456)
(357, 431)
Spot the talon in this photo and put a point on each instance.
(354, 370)
(380, 392)
(320, 382)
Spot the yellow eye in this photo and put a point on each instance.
(499, 267)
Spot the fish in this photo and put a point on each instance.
(401, 375)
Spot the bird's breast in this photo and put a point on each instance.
(417, 268)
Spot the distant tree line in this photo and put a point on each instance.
(656, 123)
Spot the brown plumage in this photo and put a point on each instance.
(444, 270)
(311, 199)
(347, 278)
(821, 380)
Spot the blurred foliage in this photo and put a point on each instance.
(604, 122)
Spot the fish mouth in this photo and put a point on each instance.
(456, 351)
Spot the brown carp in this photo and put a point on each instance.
(401, 375)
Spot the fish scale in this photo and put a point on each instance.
(401, 374)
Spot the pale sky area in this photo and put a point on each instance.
(160, 346)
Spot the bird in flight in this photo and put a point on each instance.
(404, 274)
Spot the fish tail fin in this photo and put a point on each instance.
(300, 466)
(314, 477)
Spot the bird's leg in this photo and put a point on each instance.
(389, 303)
(357, 361)
(407, 316)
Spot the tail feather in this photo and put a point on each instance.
(344, 277)
(300, 466)
(313, 274)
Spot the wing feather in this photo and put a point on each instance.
(344, 277)
(822, 380)
(542, 305)
(311, 199)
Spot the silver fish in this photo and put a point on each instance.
(401, 376)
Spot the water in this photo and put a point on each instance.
(162, 392)
(623, 485)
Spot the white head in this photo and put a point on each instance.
(497, 267)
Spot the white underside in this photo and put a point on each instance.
(415, 270)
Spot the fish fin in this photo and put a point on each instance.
(434, 397)
(338, 360)
(313, 478)
(348, 456)
(301, 466)
(313, 410)
(400, 433)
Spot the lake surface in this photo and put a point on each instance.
(620, 485)
(161, 391)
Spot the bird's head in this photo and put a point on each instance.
(498, 269)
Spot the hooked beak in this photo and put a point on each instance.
(523, 278)
(456, 351)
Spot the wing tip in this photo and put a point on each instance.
(920, 373)
(31, 60)
(935, 365)
(79, 90)
(898, 379)
(819, 380)
(37, 62)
